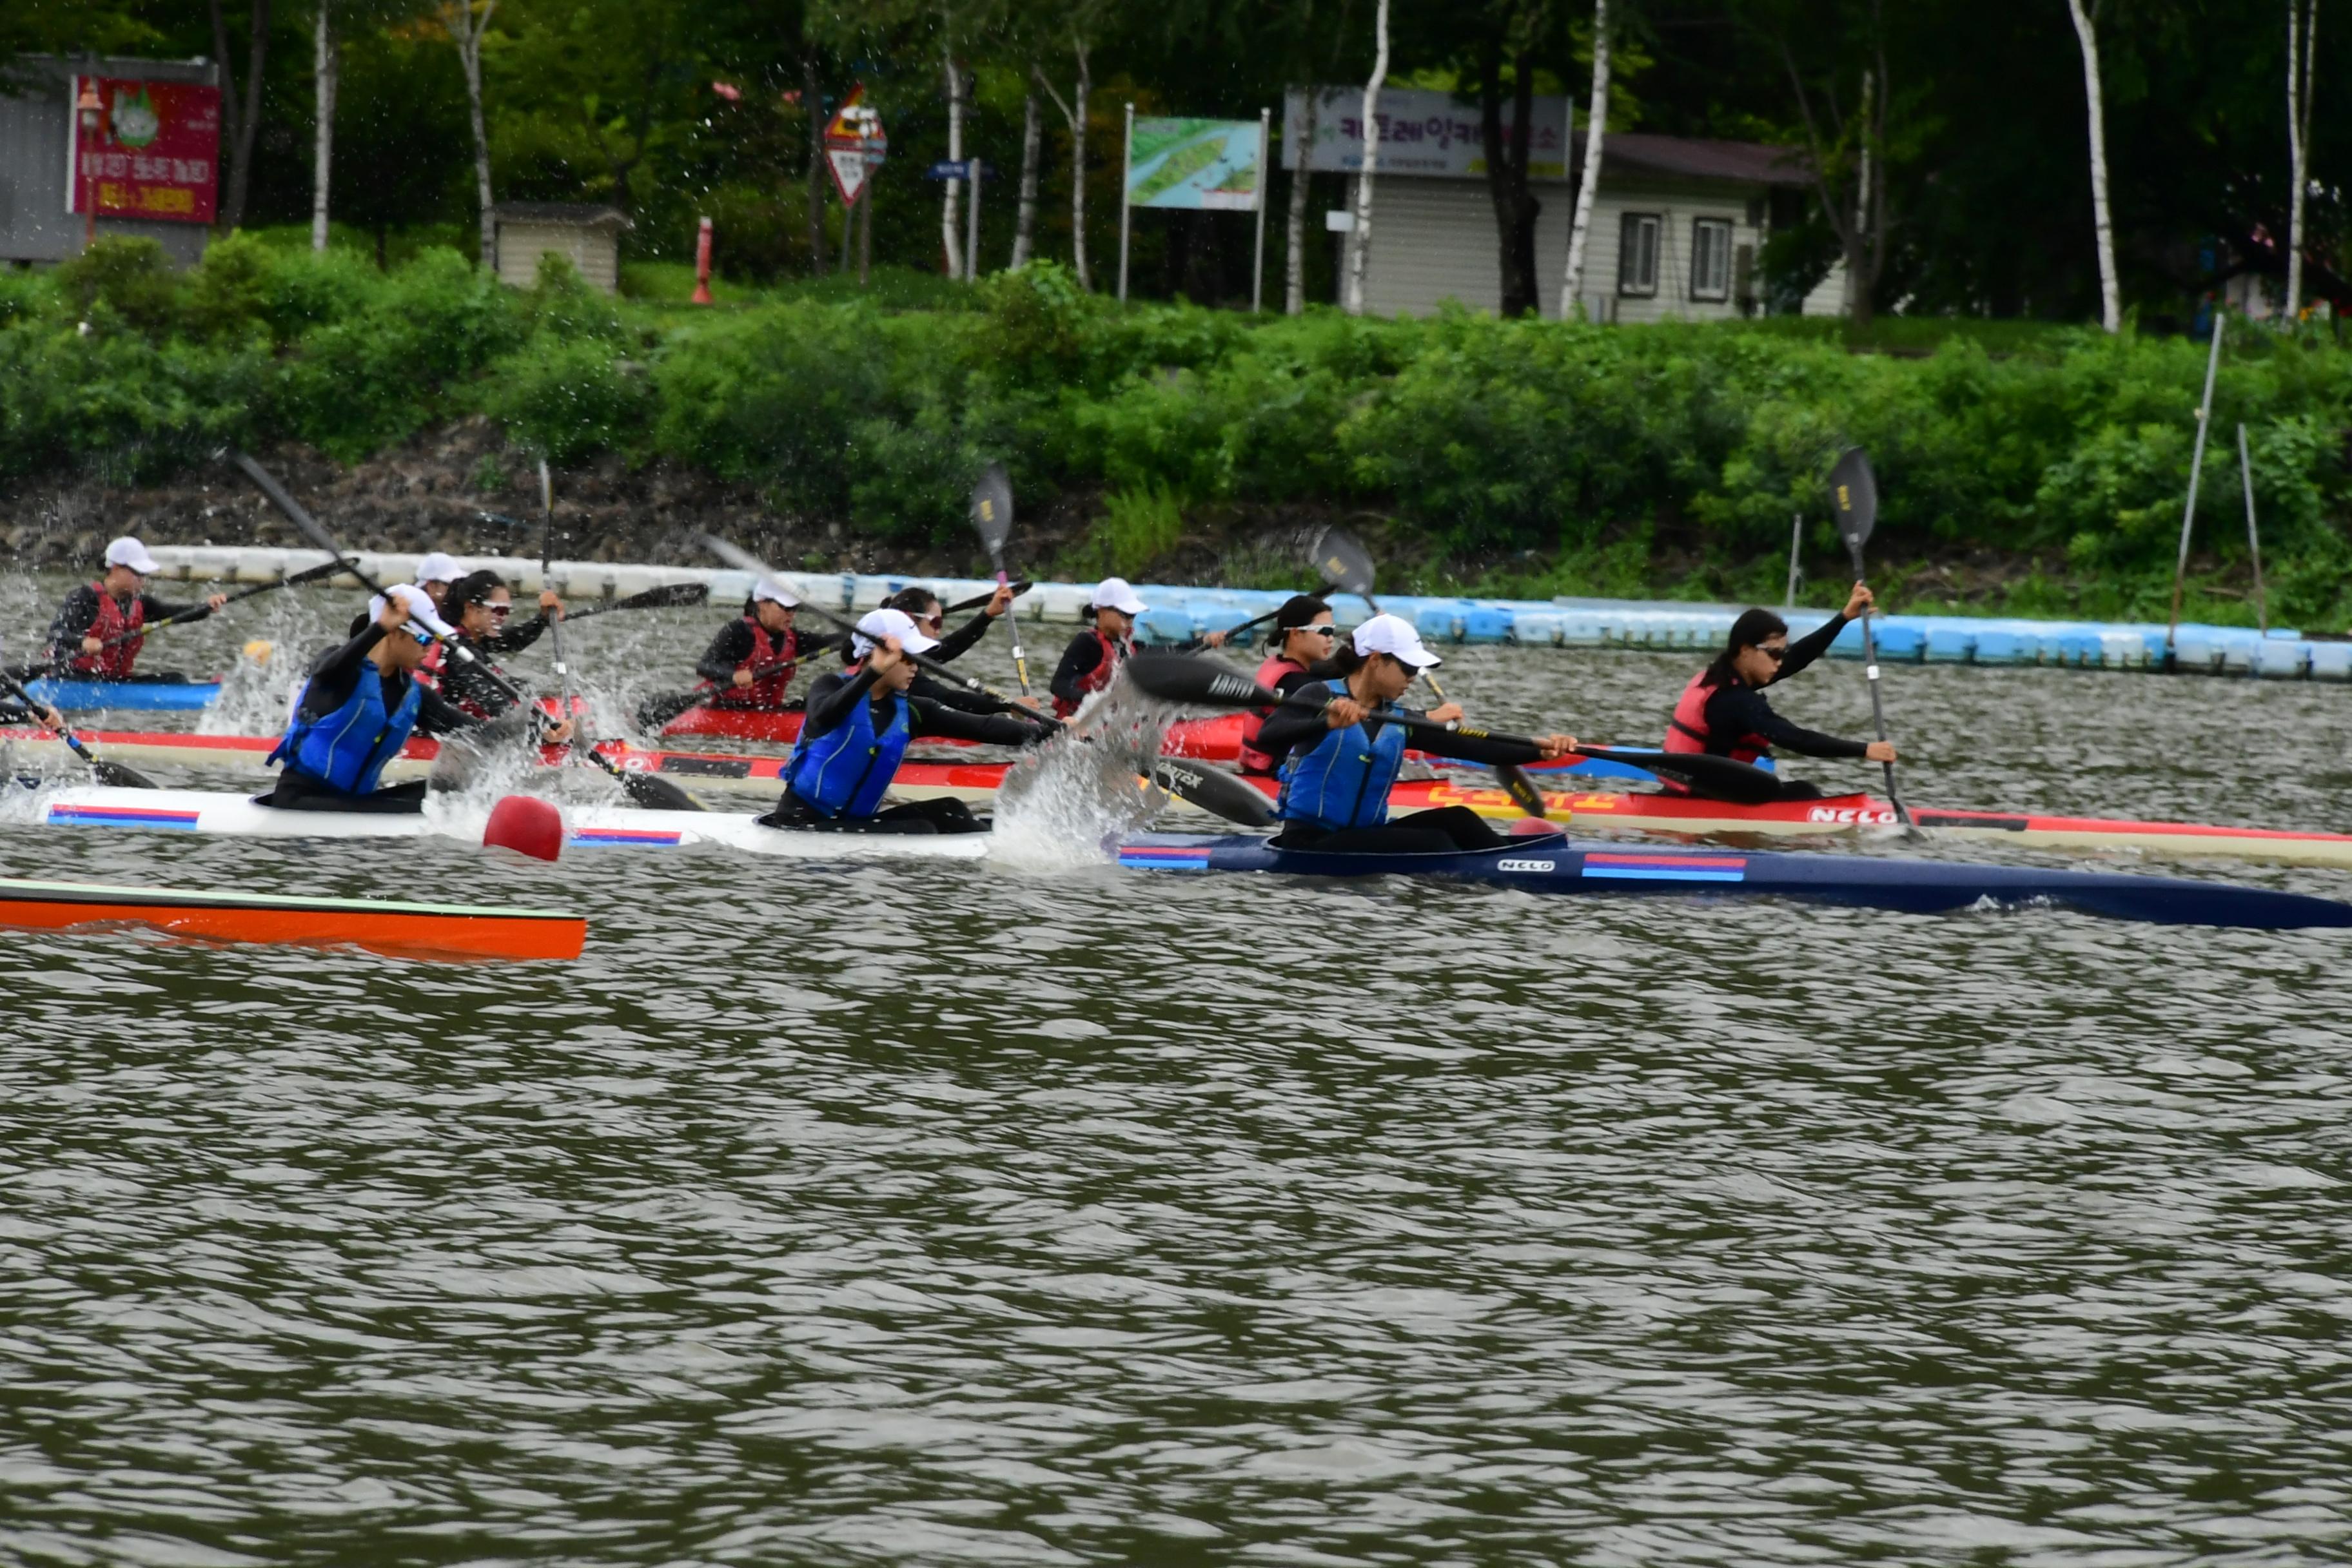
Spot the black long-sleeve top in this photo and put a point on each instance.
(80, 612)
(833, 698)
(1080, 661)
(735, 643)
(1297, 726)
(963, 639)
(516, 638)
(466, 682)
(1737, 710)
(335, 675)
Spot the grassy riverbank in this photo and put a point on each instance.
(2039, 469)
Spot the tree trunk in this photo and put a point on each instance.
(815, 99)
(865, 215)
(1360, 238)
(228, 91)
(1081, 102)
(466, 30)
(2111, 310)
(1596, 117)
(1293, 284)
(1032, 136)
(2302, 34)
(248, 119)
(1857, 236)
(1506, 175)
(951, 231)
(325, 69)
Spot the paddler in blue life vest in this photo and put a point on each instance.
(1723, 712)
(860, 720)
(358, 706)
(95, 635)
(1301, 644)
(1338, 768)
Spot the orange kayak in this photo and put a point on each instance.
(396, 930)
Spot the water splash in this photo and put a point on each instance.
(1066, 803)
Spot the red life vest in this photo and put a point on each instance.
(1269, 674)
(427, 673)
(767, 692)
(1687, 731)
(1098, 677)
(112, 621)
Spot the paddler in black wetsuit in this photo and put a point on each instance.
(478, 606)
(1339, 768)
(358, 706)
(1298, 651)
(94, 636)
(922, 606)
(859, 723)
(1723, 712)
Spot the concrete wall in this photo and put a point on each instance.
(34, 119)
(594, 253)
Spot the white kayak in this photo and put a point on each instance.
(597, 826)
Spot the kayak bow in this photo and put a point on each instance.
(395, 930)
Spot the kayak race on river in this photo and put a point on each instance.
(1283, 783)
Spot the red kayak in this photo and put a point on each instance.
(1217, 740)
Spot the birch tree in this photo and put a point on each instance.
(1359, 235)
(813, 99)
(326, 71)
(951, 228)
(1075, 109)
(1588, 179)
(466, 23)
(1847, 154)
(1294, 271)
(2302, 31)
(1033, 139)
(2086, 14)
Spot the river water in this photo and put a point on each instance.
(1056, 1214)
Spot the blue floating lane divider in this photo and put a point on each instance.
(1181, 612)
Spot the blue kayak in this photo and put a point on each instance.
(145, 696)
(1550, 863)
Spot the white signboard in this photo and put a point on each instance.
(1422, 132)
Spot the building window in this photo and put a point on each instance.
(1637, 253)
(1710, 273)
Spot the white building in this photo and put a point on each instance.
(1677, 222)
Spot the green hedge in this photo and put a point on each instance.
(1484, 440)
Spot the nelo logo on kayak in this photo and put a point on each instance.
(1524, 865)
(1849, 815)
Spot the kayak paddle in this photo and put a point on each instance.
(992, 519)
(1020, 587)
(555, 622)
(1854, 499)
(105, 772)
(668, 596)
(188, 617)
(653, 794)
(1218, 798)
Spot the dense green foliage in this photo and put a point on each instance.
(1485, 440)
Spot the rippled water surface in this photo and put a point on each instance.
(967, 1214)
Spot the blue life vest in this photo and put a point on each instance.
(1343, 779)
(346, 748)
(845, 771)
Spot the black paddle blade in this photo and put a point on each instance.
(666, 597)
(1720, 778)
(1218, 793)
(1523, 791)
(1190, 681)
(1345, 564)
(1854, 498)
(647, 790)
(992, 510)
(120, 776)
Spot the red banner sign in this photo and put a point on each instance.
(155, 152)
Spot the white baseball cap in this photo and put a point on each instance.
(1394, 636)
(439, 567)
(880, 624)
(775, 593)
(419, 605)
(127, 552)
(1113, 593)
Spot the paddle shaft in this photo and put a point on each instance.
(1012, 630)
(555, 622)
(1870, 673)
(665, 597)
(107, 773)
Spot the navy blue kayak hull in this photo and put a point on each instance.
(143, 695)
(1551, 864)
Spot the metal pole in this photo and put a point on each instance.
(1126, 162)
(2254, 539)
(849, 227)
(1257, 270)
(1796, 538)
(2195, 470)
(971, 235)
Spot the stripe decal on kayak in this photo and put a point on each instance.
(1667, 868)
(1164, 857)
(122, 817)
(652, 837)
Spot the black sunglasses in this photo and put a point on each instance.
(1775, 654)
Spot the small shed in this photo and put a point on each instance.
(585, 234)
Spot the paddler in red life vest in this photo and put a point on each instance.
(478, 607)
(435, 574)
(751, 661)
(1095, 656)
(1301, 644)
(95, 634)
(859, 723)
(1723, 712)
(1338, 767)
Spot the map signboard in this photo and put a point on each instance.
(1196, 165)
